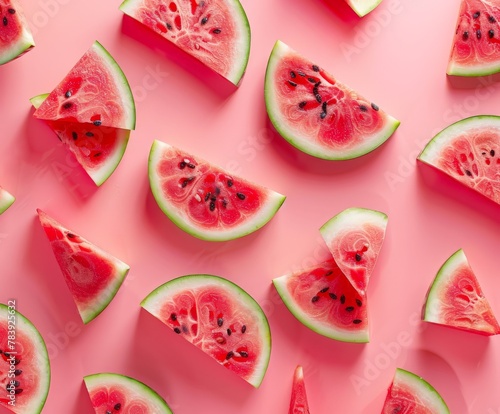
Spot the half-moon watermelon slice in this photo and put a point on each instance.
(411, 394)
(363, 7)
(115, 393)
(355, 237)
(298, 399)
(15, 35)
(93, 276)
(476, 45)
(97, 149)
(6, 200)
(95, 91)
(324, 300)
(469, 152)
(216, 32)
(318, 114)
(24, 363)
(205, 200)
(455, 299)
(218, 317)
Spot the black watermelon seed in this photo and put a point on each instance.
(318, 98)
(17, 361)
(363, 108)
(217, 31)
(476, 15)
(492, 153)
(204, 20)
(177, 330)
(491, 19)
(314, 299)
(89, 134)
(173, 316)
(342, 299)
(169, 26)
(230, 183)
(301, 73)
(7, 354)
(220, 321)
(315, 90)
(229, 332)
(18, 372)
(491, 33)
(97, 123)
(478, 33)
(244, 354)
(108, 412)
(191, 165)
(292, 74)
(312, 80)
(67, 94)
(358, 257)
(17, 383)
(117, 406)
(357, 321)
(315, 68)
(324, 290)
(18, 391)
(465, 35)
(324, 106)
(375, 107)
(359, 303)
(71, 235)
(212, 205)
(330, 272)
(97, 154)
(213, 198)
(322, 115)
(224, 203)
(241, 196)
(333, 296)
(74, 135)
(5, 21)
(292, 83)
(182, 165)
(243, 329)
(229, 355)
(67, 105)
(208, 195)
(217, 191)
(468, 173)
(185, 329)
(302, 104)
(349, 308)
(11, 11)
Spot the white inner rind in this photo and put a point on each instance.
(132, 388)
(265, 213)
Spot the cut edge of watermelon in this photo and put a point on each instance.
(6, 200)
(298, 398)
(266, 213)
(154, 300)
(43, 362)
(430, 311)
(421, 388)
(363, 7)
(455, 69)
(104, 379)
(303, 142)
(24, 43)
(322, 329)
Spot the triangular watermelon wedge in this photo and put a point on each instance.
(93, 276)
(95, 91)
(355, 237)
(97, 149)
(455, 299)
(363, 7)
(6, 200)
(298, 400)
(15, 36)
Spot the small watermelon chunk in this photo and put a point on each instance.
(469, 152)
(476, 44)
(298, 400)
(95, 91)
(324, 300)
(15, 35)
(355, 237)
(216, 32)
(97, 149)
(219, 318)
(205, 200)
(363, 7)
(318, 114)
(6, 200)
(116, 393)
(24, 363)
(455, 299)
(411, 394)
(93, 276)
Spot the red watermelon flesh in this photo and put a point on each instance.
(15, 35)
(298, 400)
(93, 276)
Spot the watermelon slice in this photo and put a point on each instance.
(298, 400)
(95, 91)
(6, 200)
(363, 7)
(455, 299)
(24, 363)
(410, 393)
(323, 299)
(355, 237)
(205, 200)
(97, 149)
(15, 35)
(114, 393)
(216, 32)
(476, 45)
(469, 152)
(318, 114)
(219, 318)
(93, 276)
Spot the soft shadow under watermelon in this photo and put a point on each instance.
(162, 46)
(473, 82)
(343, 11)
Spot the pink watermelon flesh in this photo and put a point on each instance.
(93, 276)
(15, 35)
(318, 114)
(95, 91)
(23, 360)
(324, 300)
(476, 45)
(205, 200)
(298, 400)
(216, 32)
(6, 200)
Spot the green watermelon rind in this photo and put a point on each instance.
(303, 142)
(153, 303)
(24, 324)
(105, 379)
(422, 389)
(6, 200)
(343, 335)
(363, 7)
(472, 71)
(100, 176)
(266, 213)
(24, 43)
(236, 74)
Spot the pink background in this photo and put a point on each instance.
(397, 57)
